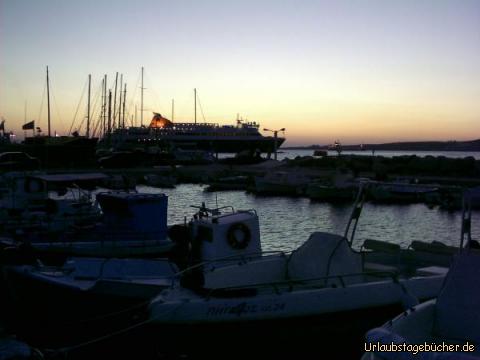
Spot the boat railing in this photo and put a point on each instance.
(290, 284)
(203, 211)
(307, 283)
(249, 211)
(240, 259)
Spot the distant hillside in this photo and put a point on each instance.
(473, 145)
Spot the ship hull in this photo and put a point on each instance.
(214, 144)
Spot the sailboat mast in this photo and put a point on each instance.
(115, 99)
(88, 106)
(109, 130)
(120, 102)
(48, 102)
(141, 102)
(195, 96)
(104, 108)
(124, 97)
(173, 109)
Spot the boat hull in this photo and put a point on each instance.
(207, 143)
(332, 318)
(339, 332)
(52, 315)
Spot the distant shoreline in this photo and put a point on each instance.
(466, 146)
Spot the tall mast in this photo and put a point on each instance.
(124, 97)
(115, 99)
(104, 107)
(88, 106)
(48, 103)
(173, 108)
(141, 102)
(195, 96)
(109, 130)
(120, 101)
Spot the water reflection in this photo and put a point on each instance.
(286, 223)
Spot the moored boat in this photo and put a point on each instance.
(37, 202)
(239, 182)
(295, 299)
(398, 192)
(281, 183)
(447, 327)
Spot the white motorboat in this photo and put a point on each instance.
(447, 327)
(324, 291)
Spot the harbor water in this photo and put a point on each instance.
(292, 153)
(286, 223)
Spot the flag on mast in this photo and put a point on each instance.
(29, 126)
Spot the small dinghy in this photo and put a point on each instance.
(448, 325)
(323, 292)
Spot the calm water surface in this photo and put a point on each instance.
(284, 153)
(291, 153)
(286, 223)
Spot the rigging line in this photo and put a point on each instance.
(96, 96)
(85, 117)
(56, 105)
(76, 111)
(94, 106)
(41, 104)
(201, 109)
(155, 97)
(66, 350)
(56, 109)
(134, 94)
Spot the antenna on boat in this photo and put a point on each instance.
(357, 210)
(48, 102)
(466, 234)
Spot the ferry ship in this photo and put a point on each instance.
(167, 134)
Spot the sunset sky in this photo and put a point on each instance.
(359, 71)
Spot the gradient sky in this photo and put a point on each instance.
(358, 71)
